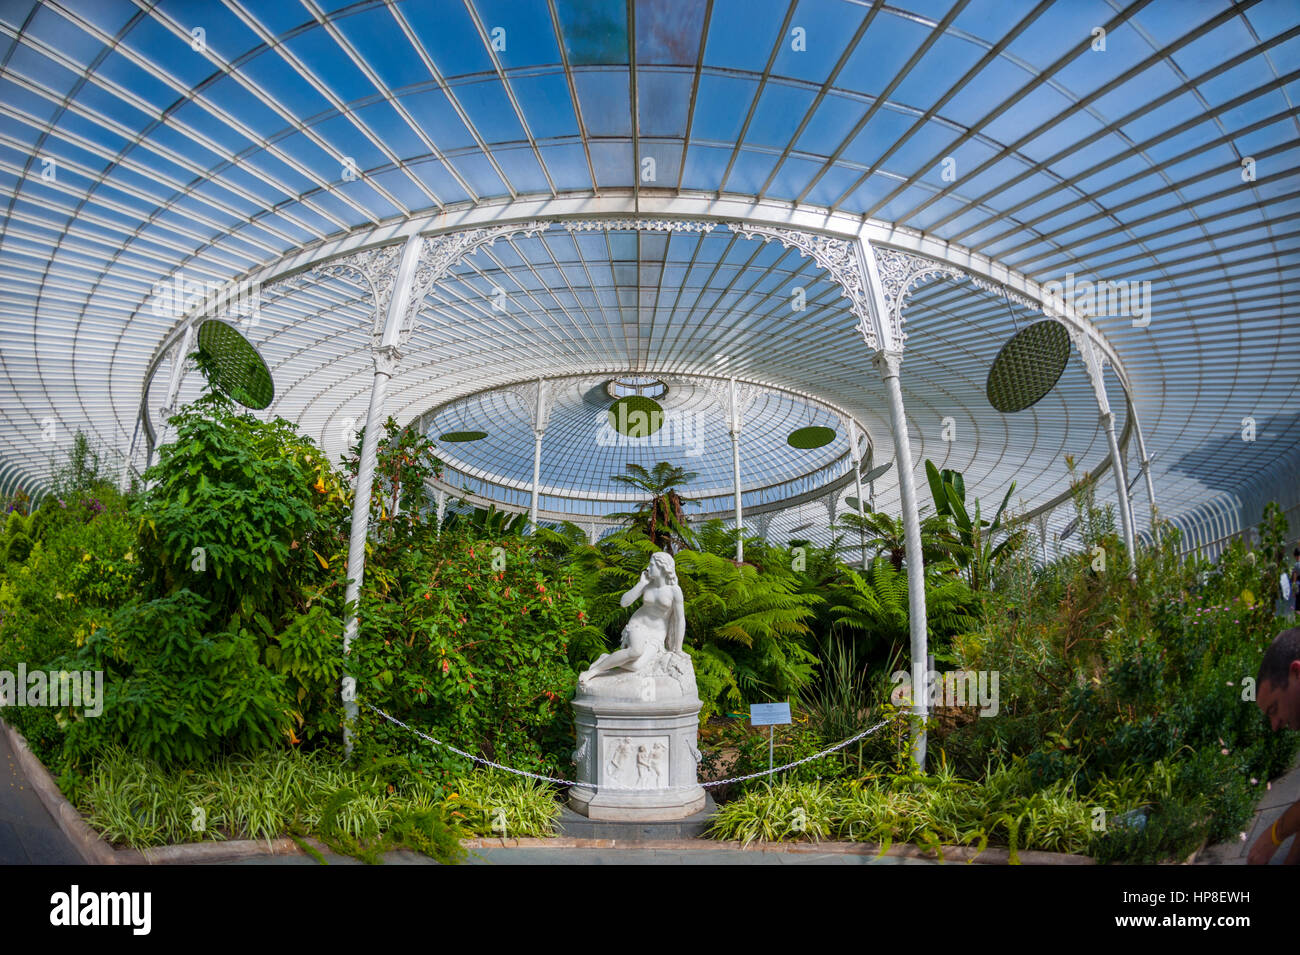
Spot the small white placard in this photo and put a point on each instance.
(769, 714)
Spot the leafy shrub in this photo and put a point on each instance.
(491, 803)
(467, 640)
(136, 802)
(175, 691)
(786, 811)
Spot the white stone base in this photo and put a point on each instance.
(642, 755)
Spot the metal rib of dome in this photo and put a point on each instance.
(137, 159)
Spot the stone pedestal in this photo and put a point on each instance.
(642, 755)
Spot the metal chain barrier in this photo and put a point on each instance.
(799, 762)
(478, 759)
(570, 782)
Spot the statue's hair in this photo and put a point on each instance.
(667, 564)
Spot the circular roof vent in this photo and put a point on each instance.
(1028, 366)
(635, 385)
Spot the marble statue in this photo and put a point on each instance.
(636, 714)
(651, 649)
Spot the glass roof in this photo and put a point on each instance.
(139, 143)
(581, 448)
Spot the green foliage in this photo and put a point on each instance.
(135, 802)
(662, 518)
(467, 639)
(881, 534)
(784, 812)
(243, 512)
(492, 803)
(79, 568)
(173, 690)
(399, 497)
(754, 623)
(976, 551)
(878, 612)
(1104, 679)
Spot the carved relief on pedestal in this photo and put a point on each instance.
(635, 762)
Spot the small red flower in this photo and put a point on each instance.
(445, 666)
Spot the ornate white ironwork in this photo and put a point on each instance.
(386, 360)
(989, 285)
(640, 225)
(437, 256)
(440, 253)
(720, 389)
(831, 502)
(539, 406)
(838, 257)
(377, 269)
(899, 272)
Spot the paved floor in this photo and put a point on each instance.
(569, 856)
(1283, 791)
(28, 834)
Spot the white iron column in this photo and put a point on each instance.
(735, 472)
(385, 364)
(888, 362)
(388, 323)
(539, 431)
(1146, 473)
(179, 357)
(442, 507)
(1093, 362)
(856, 457)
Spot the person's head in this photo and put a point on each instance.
(664, 567)
(1296, 553)
(1277, 687)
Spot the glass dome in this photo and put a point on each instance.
(147, 165)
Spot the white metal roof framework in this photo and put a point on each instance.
(622, 158)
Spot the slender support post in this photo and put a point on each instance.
(442, 508)
(1146, 473)
(1121, 487)
(888, 363)
(856, 458)
(1092, 361)
(537, 477)
(540, 416)
(735, 473)
(385, 363)
(178, 368)
(390, 310)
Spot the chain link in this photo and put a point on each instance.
(478, 759)
(799, 762)
(570, 782)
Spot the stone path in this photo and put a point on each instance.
(28, 834)
(571, 856)
(1284, 791)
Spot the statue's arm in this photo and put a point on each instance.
(677, 623)
(635, 592)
